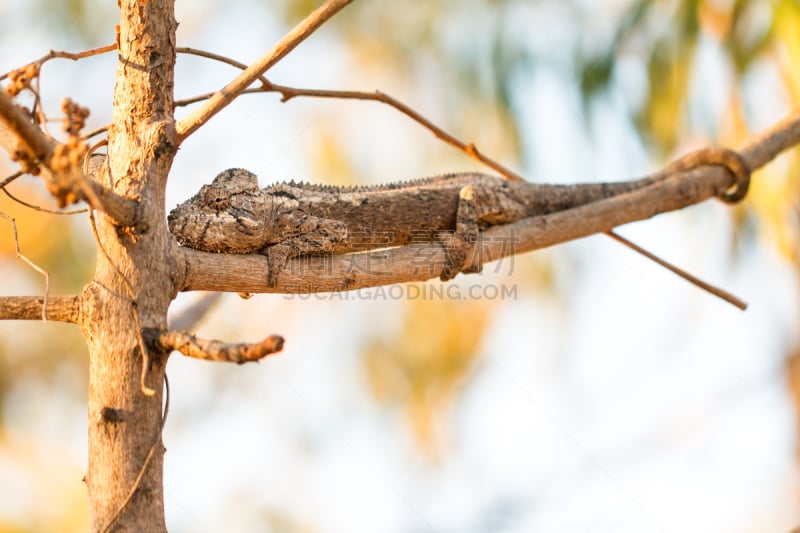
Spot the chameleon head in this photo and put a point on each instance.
(227, 215)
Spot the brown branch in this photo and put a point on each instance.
(220, 100)
(423, 261)
(216, 57)
(59, 308)
(470, 149)
(74, 56)
(31, 138)
(13, 177)
(287, 93)
(214, 350)
(38, 207)
(122, 210)
(30, 263)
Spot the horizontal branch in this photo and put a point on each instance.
(59, 308)
(423, 261)
(214, 350)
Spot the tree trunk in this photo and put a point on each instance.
(133, 286)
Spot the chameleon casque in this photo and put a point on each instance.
(234, 215)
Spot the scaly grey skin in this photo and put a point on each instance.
(233, 215)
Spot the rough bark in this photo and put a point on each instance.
(139, 271)
(132, 287)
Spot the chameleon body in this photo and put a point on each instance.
(234, 215)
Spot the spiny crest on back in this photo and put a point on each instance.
(337, 189)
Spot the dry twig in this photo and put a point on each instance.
(74, 56)
(31, 264)
(221, 99)
(214, 350)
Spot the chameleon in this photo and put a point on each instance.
(286, 220)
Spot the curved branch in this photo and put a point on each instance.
(424, 261)
(214, 350)
(59, 308)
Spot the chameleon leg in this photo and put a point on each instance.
(319, 240)
(461, 248)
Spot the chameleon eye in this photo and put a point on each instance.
(216, 198)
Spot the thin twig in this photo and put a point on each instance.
(265, 83)
(220, 100)
(74, 56)
(287, 93)
(34, 141)
(716, 291)
(147, 459)
(31, 264)
(468, 148)
(39, 208)
(11, 178)
(96, 131)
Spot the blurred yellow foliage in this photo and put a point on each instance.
(786, 27)
(422, 366)
(49, 471)
(48, 240)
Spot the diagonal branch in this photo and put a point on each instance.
(424, 261)
(31, 138)
(287, 93)
(17, 132)
(214, 350)
(220, 100)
